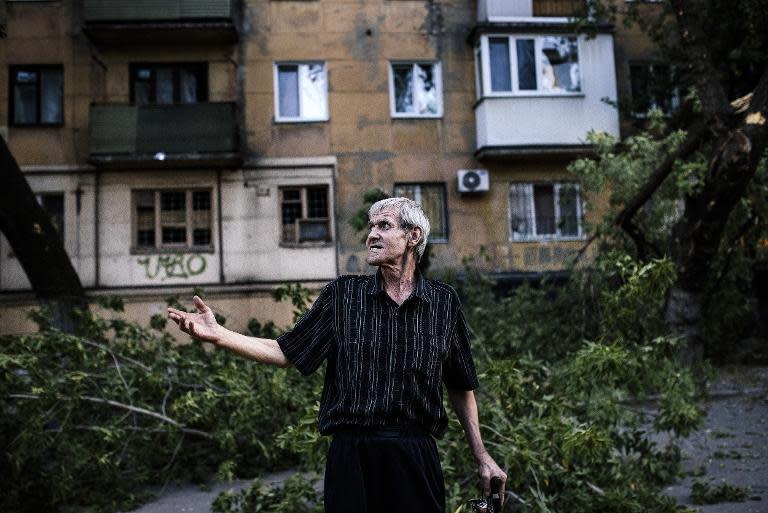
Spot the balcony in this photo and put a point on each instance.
(188, 135)
(127, 21)
(490, 11)
(521, 113)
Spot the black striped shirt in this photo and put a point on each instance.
(385, 362)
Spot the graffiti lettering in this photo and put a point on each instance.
(172, 266)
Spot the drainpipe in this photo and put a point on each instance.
(220, 224)
(97, 278)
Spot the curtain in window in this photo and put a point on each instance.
(288, 85)
(312, 90)
(519, 211)
(51, 100)
(25, 97)
(501, 80)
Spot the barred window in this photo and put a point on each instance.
(545, 211)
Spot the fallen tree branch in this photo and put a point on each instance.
(134, 409)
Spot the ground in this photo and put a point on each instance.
(731, 447)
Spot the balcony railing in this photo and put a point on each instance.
(156, 10)
(488, 10)
(187, 132)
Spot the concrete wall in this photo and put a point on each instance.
(77, 188)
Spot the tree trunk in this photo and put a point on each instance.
(38, 246)
(683, 316)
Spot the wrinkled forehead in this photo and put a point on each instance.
(388, 214)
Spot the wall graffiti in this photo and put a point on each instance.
(172, 266)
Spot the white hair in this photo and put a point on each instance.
(411, 216)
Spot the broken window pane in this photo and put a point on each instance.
(145, 218)
(544, 206)
(416, 89)
(312, 90)
(403, 78)
(560, 64)
(526, 64)
(501, 80)
(424, 90)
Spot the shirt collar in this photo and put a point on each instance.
(376, 285)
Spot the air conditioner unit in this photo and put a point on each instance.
(473, 180)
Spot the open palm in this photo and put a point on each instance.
(200, 325)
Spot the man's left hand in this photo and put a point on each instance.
(487, 469)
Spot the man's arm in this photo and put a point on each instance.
(203, 325)
(465, 406)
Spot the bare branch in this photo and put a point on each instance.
(134, 409)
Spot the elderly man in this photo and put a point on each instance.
(390, 340)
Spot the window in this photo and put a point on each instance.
(301, 92)
(416, 90)
(431, 197)
(304, 214)
(531, 64)
(545, 211)
(653, 88)
(53, 204)
(172, 219)
(160, 84)
(37, 95)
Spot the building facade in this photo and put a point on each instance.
(225, 144)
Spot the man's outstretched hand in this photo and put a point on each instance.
(200, 325)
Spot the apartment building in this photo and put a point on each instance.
(225, 144)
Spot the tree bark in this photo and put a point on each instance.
(697, 237)
(38, 247)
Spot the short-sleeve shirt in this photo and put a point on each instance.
(386, 363)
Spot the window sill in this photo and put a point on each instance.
(306, 245)
(172, 250)
(288, 121)
(415, 116)
(36, 125)
(552, 238)
(533, 95)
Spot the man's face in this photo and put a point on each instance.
(387, 242)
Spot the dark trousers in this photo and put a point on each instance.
(383, 471)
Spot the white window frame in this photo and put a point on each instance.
(276, 84)
(437, 73)
(485, 65)
(557, 236)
